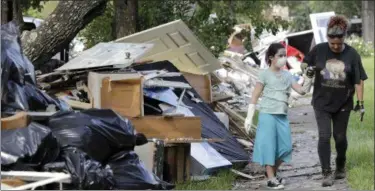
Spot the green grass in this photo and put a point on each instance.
(360, 155)
(223, 181)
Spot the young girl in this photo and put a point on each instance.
(273, 144)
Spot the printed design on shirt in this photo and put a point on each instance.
(334, 73)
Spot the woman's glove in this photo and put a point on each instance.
(308, 70)
(359, 107)
(249, 117)
(307, 83)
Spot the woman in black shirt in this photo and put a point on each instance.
(338, 74)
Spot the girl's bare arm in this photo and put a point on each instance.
(256, 93)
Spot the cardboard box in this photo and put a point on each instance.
(201, 84)
(162, 127)
(124, 96)
(122, 92)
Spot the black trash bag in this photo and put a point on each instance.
(140, 139)
(29, 98)
(14, 98)
(86, 173)
(15, 66)
(131, 174)
(98, 132)
(33, 146)
(39, 100)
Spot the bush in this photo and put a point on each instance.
(365, 49)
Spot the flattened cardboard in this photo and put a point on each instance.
(123, 96)
(201, 84)
(168, 127)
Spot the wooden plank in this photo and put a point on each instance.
(13, 182)
(19, 120)
(187, 163)
(171, 161)
(246, 175)
(168, 127)
(159, 159)
(123, 96)
(245, 143)
(176, 141)
(201, 84)
(180, 163)
(237, 127)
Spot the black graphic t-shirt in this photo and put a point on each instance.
(335, 77)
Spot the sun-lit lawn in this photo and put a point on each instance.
(360, 155)
(223, 181)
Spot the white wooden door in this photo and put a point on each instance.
(175, 42)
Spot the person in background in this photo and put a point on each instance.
(273, 144)
(339, 73)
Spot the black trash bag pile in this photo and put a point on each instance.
(95, 146)
(18, 82)
(131, 174)
(29, 147)
(110, 139)
(98, 132)
(86, 173)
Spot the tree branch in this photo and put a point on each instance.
(59, 28)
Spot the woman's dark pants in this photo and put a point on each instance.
(339, 121)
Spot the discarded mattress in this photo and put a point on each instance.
(212, 127)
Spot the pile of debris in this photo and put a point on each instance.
(143, 112)
(106, 120)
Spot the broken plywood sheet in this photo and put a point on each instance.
(168, 127)
(201, 84)
(175, 42)
(107, 54)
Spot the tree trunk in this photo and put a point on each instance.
(125, 19)
(59, 28)
(17, 14)
(368, 21)
(6, 11)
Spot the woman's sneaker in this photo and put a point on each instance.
(278, 178)
(274, 184)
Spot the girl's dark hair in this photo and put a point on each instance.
(338, 26)
(272, 50)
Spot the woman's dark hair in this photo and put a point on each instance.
(272, 50)
(337, 27)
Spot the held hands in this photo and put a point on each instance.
(359, 107)
(249, 117)
(308, 70)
